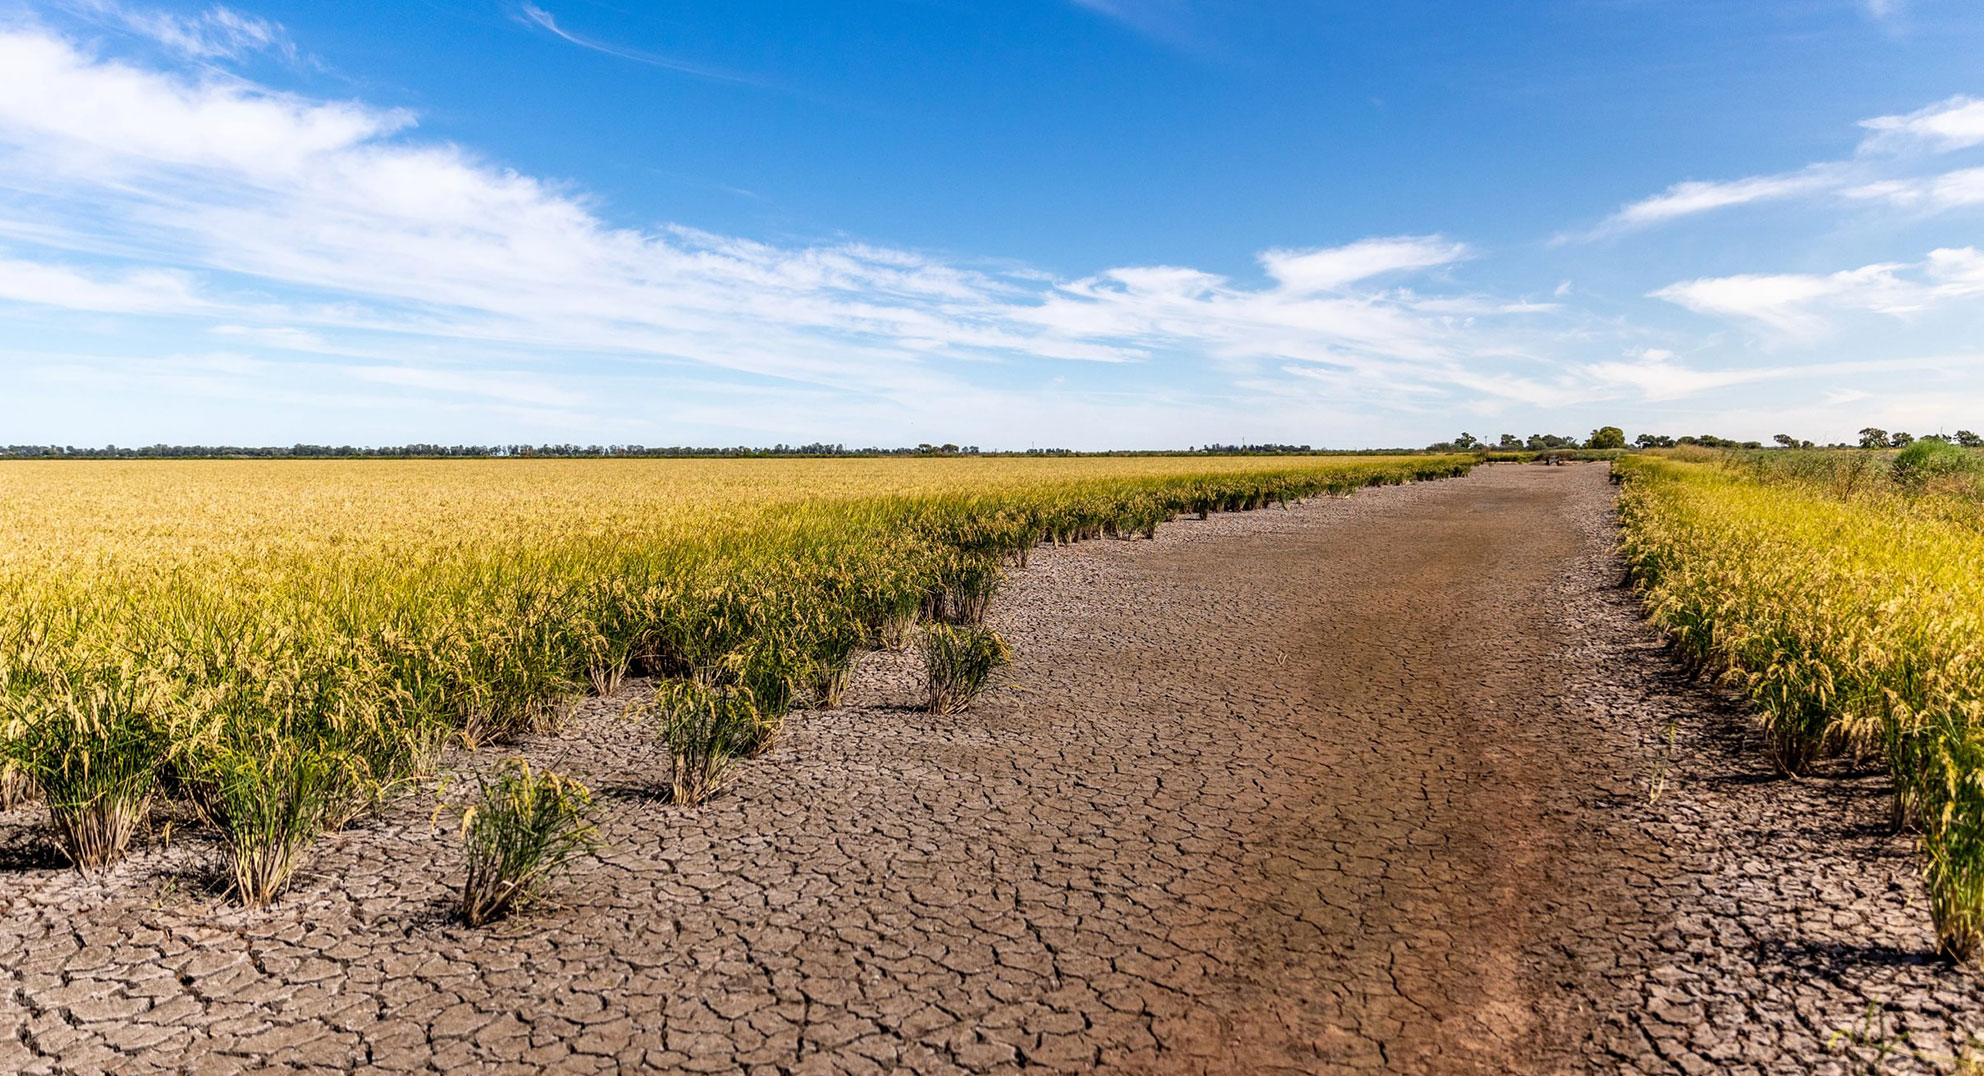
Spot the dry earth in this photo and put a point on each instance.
(1360, 786)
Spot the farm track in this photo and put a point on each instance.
(1361, 786)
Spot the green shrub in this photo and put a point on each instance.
(1926, 460)
(958, 661)
(525, 827)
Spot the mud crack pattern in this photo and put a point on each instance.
(1358, 786)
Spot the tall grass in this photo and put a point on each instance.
(1852, 615)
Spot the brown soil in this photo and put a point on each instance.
(1359, 786)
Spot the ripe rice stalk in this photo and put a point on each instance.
(958, 661)
(374, 631)
(1851, 613)
(271, 800)
(524, 828)
(93, 745)
(16, 788)
(705, 730)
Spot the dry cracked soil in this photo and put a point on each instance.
(1393, 783)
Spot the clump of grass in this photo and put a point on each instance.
(969, 595)
(93, 747)
(959, 660)
(1951, 803)
(705, 729)
(270, 796)
(526, 826)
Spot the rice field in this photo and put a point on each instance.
(284, 645)
(1844, 593)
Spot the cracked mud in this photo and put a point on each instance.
(1364, 785)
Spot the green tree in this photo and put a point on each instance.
(1607, 437)
(1873, 437)
(1968, 439)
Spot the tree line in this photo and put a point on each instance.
(1602, 437)
(1875, 437)
(430, 451)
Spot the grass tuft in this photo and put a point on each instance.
(93, 746)
(271, 797)
(958, 662)
(705, 730)
(526, 826)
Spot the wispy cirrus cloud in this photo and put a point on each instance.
(1885, 164)
(218, 33)
(1167, 20)
(532, 15)
(1952, 124)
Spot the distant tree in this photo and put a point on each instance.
(1873, 437)
(1936, 437)
(1654, 440)
(1607, 437)
(1509, 440)
(1465, 440)
(1784, 440)
(1901, 439)
(1968, 439)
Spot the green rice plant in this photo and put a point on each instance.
(93, 746)
(705, 729)
(835, 642)
(525, 827)
(1951, 810)
(372, 610)
(958, 661)
(271, 796)
(966, 596)
(1852, 619)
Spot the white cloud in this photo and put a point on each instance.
(533, 15)
(292, 223)
(1950, 190)
(1307, 272)
(1159, 18)
(125, 291)
(1956, 123)
(1949, 125)
(1803, 305)
(1697, 196)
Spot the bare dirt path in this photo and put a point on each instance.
(1361, 786)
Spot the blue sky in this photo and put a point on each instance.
(1083, 223)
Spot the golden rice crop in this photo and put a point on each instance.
(364, 611)
(1854, 618)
